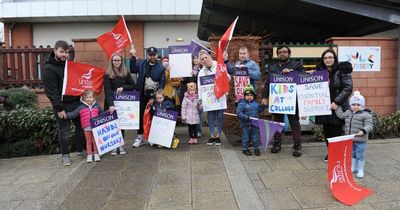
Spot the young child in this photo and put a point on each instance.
(358, 121)
(248, 107)
(88, 109)
(164, 104)
(190, 111)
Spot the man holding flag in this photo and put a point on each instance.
(53, 77)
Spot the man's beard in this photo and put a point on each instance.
(152, 60)
(60, 58)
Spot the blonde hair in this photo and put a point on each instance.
(122, 71)
(160, 92)
(202, 52)
(86, 93)
(191, 86)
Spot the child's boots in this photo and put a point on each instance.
(175, 143)
(360, 173)
(353, 165)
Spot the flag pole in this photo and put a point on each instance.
(252, 118)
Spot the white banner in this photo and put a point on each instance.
(127, 104)
(180, 61)
(162, 128)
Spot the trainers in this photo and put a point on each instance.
(138, 143)
(97, 157)
(122, 151)
(257, 152)
(210, 141)
(217, 141)
(82, 153)
(276, 147)
(114, 152)
(175, 143)
(65, 160)
(326, 159)
(190, 141)
(89, 159)
(198, 135)
(297, 150)
(247, 152)
(195, 141)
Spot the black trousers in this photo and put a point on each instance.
(192, 130)
(294, 124)
(332, 131)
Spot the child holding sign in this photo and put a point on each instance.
(190, 111)
(88, 109)
(247, 108)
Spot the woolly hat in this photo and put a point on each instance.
(357, 98)
(249, 89)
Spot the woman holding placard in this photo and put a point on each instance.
(340, 88)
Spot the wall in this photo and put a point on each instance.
(379, 88)
(21, 35)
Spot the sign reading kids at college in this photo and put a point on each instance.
(241, 78)
(282, 93)
(127, 106)
(210, 102)
(362, 58)
(106, 132)
(162, 128)
(313, 94)
(180, 61)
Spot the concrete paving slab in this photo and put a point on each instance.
(387, 205)
(125, 204)
(108, 166)
(210, 183)
(172, 195)
(12, 193)
(176, 161)
(254, 176)
(355, 207)
(256, 166)
(169, 208)
(205, 156)
(313, 197)
(100, 180)
(128, 189)
(86, 199)
(276, 180)
(383, 172)
(258, 185)
(212, 200)
(313, 163)
(9, 204)
(30, 204)
(37, 191)
(278, 199)
(245, 194)
(379, 158)
(285, 164)
(208, 168)
(315, 151)
(173, 177)
(312, 177)
(35, 176)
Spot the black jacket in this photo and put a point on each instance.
(53, 77)
(111, 85)
(340, 88)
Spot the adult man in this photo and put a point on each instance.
(53, 77)
(245, 61)
(284, 66)
(150, 78)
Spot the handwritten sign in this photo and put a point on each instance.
(180, 61)
(241, 79)
(210, 102)
(106, 132)
(313, 94)
(282, 93)
(162, 128)
(127, 104)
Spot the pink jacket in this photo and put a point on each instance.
(85, 112)
(190, 109)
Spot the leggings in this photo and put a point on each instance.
(212, 116)
(90, 142)
(192, 130)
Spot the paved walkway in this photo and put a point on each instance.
(194, 177)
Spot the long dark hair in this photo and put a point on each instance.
(336, 62)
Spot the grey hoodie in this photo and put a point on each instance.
(355, 122)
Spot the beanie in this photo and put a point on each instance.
(249, 89)
(357, 98)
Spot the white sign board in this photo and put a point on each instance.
(127, 104)
(282, 94)
(162, 128)
(210, 102)
(364, 59)
(180, 61)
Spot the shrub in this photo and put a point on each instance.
(19, 96)
(386, 127)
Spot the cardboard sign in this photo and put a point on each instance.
(241, 80)
(210, 102)
(282, 93)
(127, 104)
(313, 94)
(180, 61)
(106, 132)
(162, 128)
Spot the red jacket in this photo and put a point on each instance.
(85, 112)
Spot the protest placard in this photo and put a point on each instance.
(313, 94)
(282, 93)
(127, 104)
(241, 80)
(210, 102)
(106, 132)
(162, 128)
(180, 61)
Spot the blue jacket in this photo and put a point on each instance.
(140, 67)
(253, 68)
(165, 105)
(247, 109)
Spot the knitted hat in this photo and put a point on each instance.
(357, 98)
(249, 89)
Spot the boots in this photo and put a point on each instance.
(276, 147)
(353, 165)
(360, 173)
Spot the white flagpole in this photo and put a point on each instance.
(253, 118)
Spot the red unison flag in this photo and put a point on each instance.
(115, 40)
(79, 77)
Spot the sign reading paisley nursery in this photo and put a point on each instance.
(241, 78)
(127, 106)
(282, 93)
(362, 58)
(162, 128)
(313, 94)
(106, 132)
(210, 102)
(180, 61)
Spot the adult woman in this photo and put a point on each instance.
(117, 79)
(171, 84)
(209, 68)
(340, 88)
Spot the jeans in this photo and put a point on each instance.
(250, 133)
(294, 124)
(211, 117)
(358, 151)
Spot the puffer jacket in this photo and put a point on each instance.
(247, 109)
(85, 112)
(252, 67)
(340, 88)
(190, 109)
(140, 67)
(355, 122)
(165, 105)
